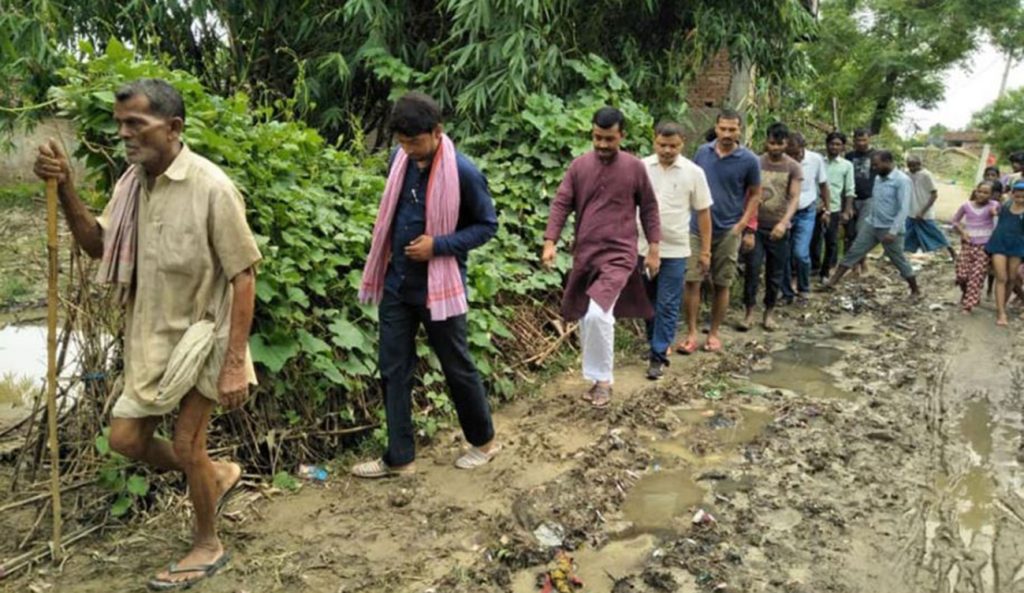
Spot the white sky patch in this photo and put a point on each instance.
(969, 88)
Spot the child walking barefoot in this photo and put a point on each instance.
(975, 221)
(1006, 246)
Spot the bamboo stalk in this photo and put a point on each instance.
(51, 360)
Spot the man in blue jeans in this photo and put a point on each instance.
(814, 200)
(681, 188)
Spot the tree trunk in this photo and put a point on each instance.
(880, 115)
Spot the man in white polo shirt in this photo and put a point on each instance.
(680, 187)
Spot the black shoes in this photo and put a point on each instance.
(656, 370)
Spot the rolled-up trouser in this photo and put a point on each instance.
(867, 239)
(597, 334)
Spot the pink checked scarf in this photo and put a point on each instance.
(446, 296)
(117, 266)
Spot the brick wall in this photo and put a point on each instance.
(711, 87)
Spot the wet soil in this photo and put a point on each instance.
(869, 445)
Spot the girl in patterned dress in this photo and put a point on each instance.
(975, 221)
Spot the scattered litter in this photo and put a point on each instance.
(713, 394)
(400, 498)
(313, 473)
(562, 578)
(549, 534)
(702, 517)
(712, 475)
(935, 307)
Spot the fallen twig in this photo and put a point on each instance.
(29, 558)
(45, 495)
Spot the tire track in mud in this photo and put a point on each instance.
(964, 532)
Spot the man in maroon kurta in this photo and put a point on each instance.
(604, 188)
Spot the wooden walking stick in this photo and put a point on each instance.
(51, 362)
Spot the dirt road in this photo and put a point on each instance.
(868, 446)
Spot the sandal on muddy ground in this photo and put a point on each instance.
(687, 346)
(378, 469)
(601, 396)
(713, 345)
(204, 571)
(475, 457)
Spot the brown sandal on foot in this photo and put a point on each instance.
(601, 396)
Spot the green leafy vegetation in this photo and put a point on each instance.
(128, 489)
(336, 65)
(1003, 122)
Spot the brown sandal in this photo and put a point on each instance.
(601, 396)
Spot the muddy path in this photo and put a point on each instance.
(870, 445)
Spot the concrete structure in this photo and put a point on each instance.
(19, 150)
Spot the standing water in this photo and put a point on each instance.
(22, 370)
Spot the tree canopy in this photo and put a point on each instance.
(877, 56)
(341, 62)
(1003, 122)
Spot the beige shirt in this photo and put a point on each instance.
(924, 185)
(192, 240)
(680, 189)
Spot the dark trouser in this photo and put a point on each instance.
(773, 255)
(829, 236)
(816, 244)
(397, 358)
(860, 208)
(867, 239)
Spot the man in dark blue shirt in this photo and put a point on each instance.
(406, 277)
(734, 176)
(416, 123)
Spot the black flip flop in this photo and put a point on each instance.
(228, 494)
(206, 571)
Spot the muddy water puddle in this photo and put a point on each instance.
(801, 368)
(973, 488)
(22, 369)
(660, 499)
(976, 426)
(692, 466)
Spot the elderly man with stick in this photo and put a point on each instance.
(174, 242)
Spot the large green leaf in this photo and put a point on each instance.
(272, 354)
